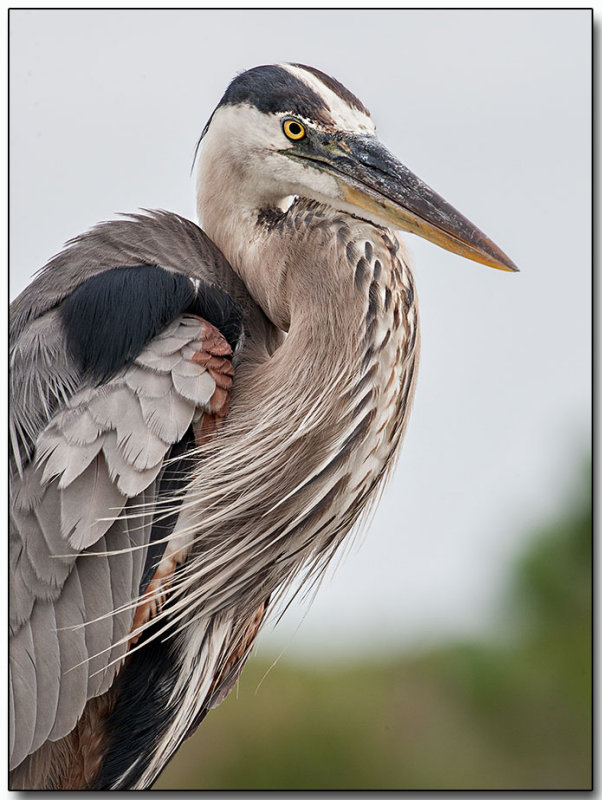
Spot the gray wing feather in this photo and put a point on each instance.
(89, 505)
(142, 450)
(12, 734)
(95, 575)
(129, 481)
(36, 586)
(169, 417)
(60, 553)
(48, 678)
(111, 409)
(42, 377)
(124, 584)
(157, 361)
(43, 384)
(35, 573)
(147, 383)
(192, 382)
(25, 689)
(59, 457)
(90, 488)
(70, 618)
(168, 342)
(27, 492)
(50, 569)
(22, 599)
(78, 427)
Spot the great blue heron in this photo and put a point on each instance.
(149, 532)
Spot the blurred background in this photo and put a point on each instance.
(450, 647)
(507, 710)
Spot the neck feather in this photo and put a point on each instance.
(312, 431)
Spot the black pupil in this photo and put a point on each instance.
(295, 128)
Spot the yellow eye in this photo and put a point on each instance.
(293, 129)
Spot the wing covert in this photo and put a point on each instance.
(89, 489)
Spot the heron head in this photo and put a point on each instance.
(290, 130)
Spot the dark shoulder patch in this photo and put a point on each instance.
(336, 87)
(111, 317)
(272, 89)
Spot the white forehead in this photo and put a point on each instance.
(345, 116)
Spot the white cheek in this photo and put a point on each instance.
(245, 132)
(293, 177)
(318, 185)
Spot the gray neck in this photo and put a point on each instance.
(313, 430)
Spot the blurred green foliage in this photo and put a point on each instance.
(510, 714)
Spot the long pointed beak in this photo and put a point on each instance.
(370, 177)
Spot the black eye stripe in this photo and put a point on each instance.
(273, 90)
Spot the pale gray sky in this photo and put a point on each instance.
(492, 108)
